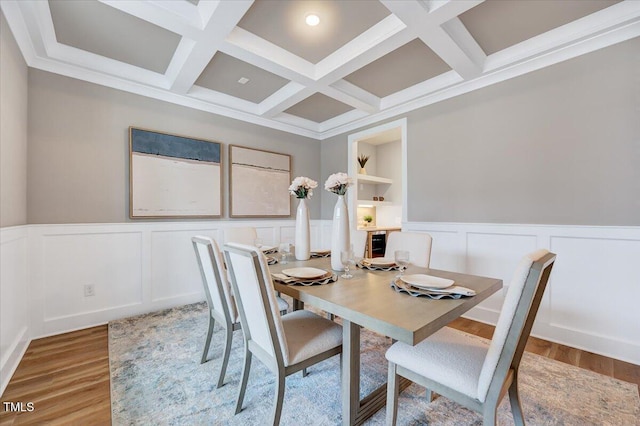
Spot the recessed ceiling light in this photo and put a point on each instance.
(312, 19)
(243, 80)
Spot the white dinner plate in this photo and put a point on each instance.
(426, 281)
(380, 261)
(305, 273)
(267, 248)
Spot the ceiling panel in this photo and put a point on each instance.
(283, 24)
(224, 71)
(318, 108)
(296, 81)
(97, 28)
(498, 24)
(411, 64)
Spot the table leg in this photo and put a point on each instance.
(354, 410)
(350, 371)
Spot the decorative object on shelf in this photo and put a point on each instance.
(375, 198)
(340, 239)
(381, 198)
(302, 187)
(367, 220)
(362, 160)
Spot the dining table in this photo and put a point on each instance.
(368, 300)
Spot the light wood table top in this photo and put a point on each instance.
(367, 299)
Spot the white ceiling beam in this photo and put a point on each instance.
(156, 14)
(353, 95)
(285, 98)
(186, 67)
(261, 53)
(452, 42)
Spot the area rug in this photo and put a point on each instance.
(157, 378)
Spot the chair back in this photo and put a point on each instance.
(245, 235)
(418, 244)
(515, 321)
(359, 240)
(214, 278)
(256, 300)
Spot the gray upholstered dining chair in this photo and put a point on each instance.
(418, 244)
(222, 307)
(467, 370)
(284, 343)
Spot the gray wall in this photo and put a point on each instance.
(13, 130)
(78, 161)
(557, 146)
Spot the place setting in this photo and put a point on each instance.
(305, 276)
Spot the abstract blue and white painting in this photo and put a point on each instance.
(259, 183)
(173, 176)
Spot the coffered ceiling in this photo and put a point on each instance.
(258, 61)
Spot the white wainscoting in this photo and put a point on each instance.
(591, 302)
(134, 267)
(593, 298)
(14, 301)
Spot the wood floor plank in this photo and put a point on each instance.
(598, 363)
(67, 376)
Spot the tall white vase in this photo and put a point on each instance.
(303, 249)
(340, 239)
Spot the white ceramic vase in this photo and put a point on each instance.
(303, 245)
(340, 239)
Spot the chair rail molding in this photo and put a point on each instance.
(591, 300)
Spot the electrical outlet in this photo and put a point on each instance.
(89, 290)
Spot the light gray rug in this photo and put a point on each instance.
(157, 378)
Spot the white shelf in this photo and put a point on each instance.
(376, 180)
(374, 203)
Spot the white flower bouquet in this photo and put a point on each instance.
(338, 183)
(302, 187)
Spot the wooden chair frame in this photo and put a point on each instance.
(505, 377)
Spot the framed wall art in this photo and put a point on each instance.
(259, 183)
(173, 176)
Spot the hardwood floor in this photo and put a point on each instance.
(66, 377)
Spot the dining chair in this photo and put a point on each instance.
(284, 343)
(222, 307)
(464, 368)
(243, 235)
(220, 300)
(418, 244)
(359, 241)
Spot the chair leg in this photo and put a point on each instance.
(225, 356)
(277, 409)
(489, 415)
(207, 343)
(428, 393)
(245, 376)
(393, 388)
(305, 373)
(514, 399)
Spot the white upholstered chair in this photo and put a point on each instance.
(359, 241)
(284, 343)
(244, 235)
(418, 244)
(222, 307)
(465, 369)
